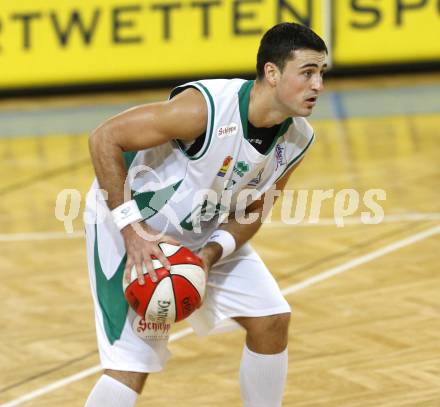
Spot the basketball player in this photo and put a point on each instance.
(221, 137)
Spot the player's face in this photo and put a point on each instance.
(301, 82)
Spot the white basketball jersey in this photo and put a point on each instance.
(185, 196)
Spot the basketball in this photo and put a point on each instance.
(177, 293)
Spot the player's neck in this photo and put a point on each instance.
(262, 112)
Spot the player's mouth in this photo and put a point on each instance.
(312, 100)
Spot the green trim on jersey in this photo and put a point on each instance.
(211, 113)
(110, 292)
(296, 159)
(151, 202)
(243, 102)
(243, 98)
(129, 158)
(111, 296)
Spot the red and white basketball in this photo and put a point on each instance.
(178, 291)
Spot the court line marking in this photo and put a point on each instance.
(286, 291)
(76, 377)
(33, 236)
(356, 220)
(349, 221)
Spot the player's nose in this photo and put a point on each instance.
(317, 84)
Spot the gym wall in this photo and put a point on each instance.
(59, 43)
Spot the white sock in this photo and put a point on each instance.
(262, 378)
(109, 392)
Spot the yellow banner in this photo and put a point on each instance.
(385, 31)
(61, 42)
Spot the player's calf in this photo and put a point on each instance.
(263, 367)
(117, 389)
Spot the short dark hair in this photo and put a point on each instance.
(279, 43)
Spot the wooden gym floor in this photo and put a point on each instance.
(366, 323)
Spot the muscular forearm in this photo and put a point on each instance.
(107, 158)
(241, 229)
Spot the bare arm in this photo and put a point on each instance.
(183, 117)
(212, 252)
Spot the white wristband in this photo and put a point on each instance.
(126, 213)
(225, 240)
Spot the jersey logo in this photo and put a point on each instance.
(256, 141)
(227, 131)
(279, 156)
(255, 181)
(241, 168)
(230, 184)
(225, 166)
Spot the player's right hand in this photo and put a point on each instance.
(142, 242)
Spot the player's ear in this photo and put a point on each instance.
(272, 73)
